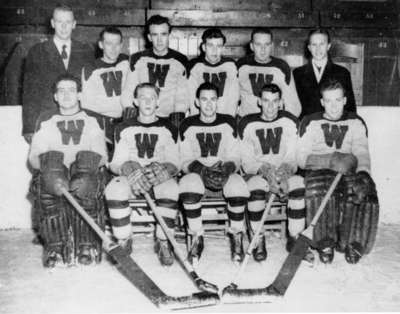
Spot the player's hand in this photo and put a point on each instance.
(139, 182)
(343, 163)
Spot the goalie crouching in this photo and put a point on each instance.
(330, 142)
(146, 159)
(210, 158)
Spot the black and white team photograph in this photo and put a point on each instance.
(199, 156)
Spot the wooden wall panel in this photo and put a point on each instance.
(238, 18)
(255, 5)
(363, 19)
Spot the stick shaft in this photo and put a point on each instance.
(170, 237)
(326, 199)
(255, 238)
(106, 241)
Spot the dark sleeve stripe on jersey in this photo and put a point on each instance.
(202, 60)
(161, 122)
(307, 120)
(136, 57)
(195, 121)
(347, 115)
(247, 120)
(45, 116)
(274, 63)
(99, 117)
(287, 114)
(100, 64)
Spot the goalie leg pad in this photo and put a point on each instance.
(317, 184)
(55, 229)
(90, 197)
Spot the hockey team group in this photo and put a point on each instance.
(115, 128)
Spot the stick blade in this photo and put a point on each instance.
(232, 295)
(196, 300)
(290, 265)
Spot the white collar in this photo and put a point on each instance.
(320, 64)
(60, 43)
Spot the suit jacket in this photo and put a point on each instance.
(42, 67)
(308, 87)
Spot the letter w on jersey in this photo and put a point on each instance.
(209, 143)
(334, 134)
(218, 79)
(145, 144)
(258, 81)
(71, 129)
(270, 139)
(157, 73)
(112, 82)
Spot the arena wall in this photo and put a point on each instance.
(15, 206)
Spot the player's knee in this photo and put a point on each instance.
(167, 190)
(257, 185)
(191, 183)
(235, 187)
(118, 189)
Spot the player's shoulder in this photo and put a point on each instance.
(180, 57)
(246, 60)
(247, 120)
(226, 119)
(167, 124)
(195, 61)
(337, 68)
(286, 115)
(308, 119)
(134, 58)
(45, 116)
(189, 122)
(350, 115)
(299, 71)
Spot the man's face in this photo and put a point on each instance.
(262, 47)
(319, 46)
(147, 101)
(333, 102)
(111, 46)
(270, 105)
(67, 95)
(63, 23)
(159, 37)
(207, 103)
(213, 49)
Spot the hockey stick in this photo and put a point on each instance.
(132, 271)
(230, 289)
(290, 265)
(200, 283)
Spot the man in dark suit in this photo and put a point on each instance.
(48, 60)
(308, 78)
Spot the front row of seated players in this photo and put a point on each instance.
(148, 156)
(67, 150)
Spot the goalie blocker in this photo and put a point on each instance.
(350, 220)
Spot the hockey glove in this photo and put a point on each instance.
(156, 173)
(268, 172)
(213, 177)
(128, 167)
(139, 182)
(363, 186)
(343, 163)
(53, 172)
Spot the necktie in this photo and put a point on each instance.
(319, 69)
(64, 54)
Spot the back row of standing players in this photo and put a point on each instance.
(147, 156)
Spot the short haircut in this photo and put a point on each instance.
(111, 30)
(206, 86)
(212, 33)
(146, 85)
(261, 30)
(272, 88)
(67, 77)
(157, 20)
(322, 31)
(331, 84)
(63, 7)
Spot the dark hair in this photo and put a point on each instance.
(63, 7)
(157, 20)
(261, 30)
(206, 86)
(111, 30)
(210, 33)
(322, 31)
(331, 84)
(67, 77)
(145, 85)
(272, 88)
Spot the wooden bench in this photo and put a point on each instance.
(214, 216)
